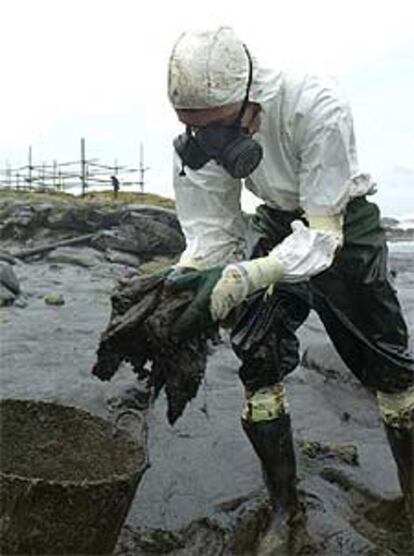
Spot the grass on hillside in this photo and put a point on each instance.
(126, 197)
(100, 197)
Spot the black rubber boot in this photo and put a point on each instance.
(272, 442)
(401, 442)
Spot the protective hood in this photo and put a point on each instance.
(266, 83)
(210, 68)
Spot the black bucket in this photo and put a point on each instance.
(67, 479)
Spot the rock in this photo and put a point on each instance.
(81, 256)
(116, 240)
(82, 218)
(120, 257)
(20, 221)
(54, 299)
(20, 303)
(6, 296)
(140, 235)
(8, 278)
(165, 216)
(136, 229)
(7, 257)
(397, 234)
(151, 237)
(157, 264)
(389, 222)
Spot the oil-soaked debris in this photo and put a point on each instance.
(344, 452)
(54, 299)
(234, 528)
(139, 331)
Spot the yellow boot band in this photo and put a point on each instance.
(397, 409)
(266, 404)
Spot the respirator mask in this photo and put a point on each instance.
(230, 146)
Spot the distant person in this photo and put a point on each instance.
(316, 242)
(115, 186)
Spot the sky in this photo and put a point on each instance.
(97, 69)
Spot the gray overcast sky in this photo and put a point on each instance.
(97, 69)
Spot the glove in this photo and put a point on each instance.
(303, 254)
(174, 272)
(197, 316)
(128, 278)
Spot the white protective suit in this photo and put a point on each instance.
(309, 160)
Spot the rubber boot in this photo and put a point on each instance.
(272, 442)
(401, 440)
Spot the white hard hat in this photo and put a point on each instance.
(207, 69)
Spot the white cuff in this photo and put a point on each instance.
(261, 273)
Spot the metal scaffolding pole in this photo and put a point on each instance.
(83, 168)
(141, 167)
(30, 167)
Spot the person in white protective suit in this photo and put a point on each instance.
(315, 242)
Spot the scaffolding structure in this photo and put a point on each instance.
(64, 176)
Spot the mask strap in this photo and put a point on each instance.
(189, 134)
(249, 83)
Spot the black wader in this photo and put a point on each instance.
(361, 314)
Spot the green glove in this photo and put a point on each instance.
(171, 271)
(197, 316)
(175, 272)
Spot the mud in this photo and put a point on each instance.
(204, 493)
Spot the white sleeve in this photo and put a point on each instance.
(209, 211)
(305, 252)
(326, 151)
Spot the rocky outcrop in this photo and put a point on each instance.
(20, 221)
(137, 231)
(152, 235)
(398, 230)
